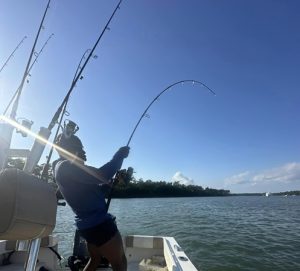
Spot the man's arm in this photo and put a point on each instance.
(91, 175)
(109, 169)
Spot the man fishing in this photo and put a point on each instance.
(81, 187)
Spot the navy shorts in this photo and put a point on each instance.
(101, 233)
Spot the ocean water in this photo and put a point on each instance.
(217, 233)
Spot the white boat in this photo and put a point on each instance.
(267, 194)
(28, 209)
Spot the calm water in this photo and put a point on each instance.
(222, 233)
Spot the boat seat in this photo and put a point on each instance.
(27, 206)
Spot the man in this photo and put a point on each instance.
(81, 187)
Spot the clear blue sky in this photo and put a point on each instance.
(246, 139)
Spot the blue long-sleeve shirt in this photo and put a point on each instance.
(81, 188)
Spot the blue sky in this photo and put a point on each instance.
(245, 139)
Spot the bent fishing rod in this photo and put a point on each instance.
(145, 113)
(28, 73)
(156, 98)
(12, 54)
(15, 105)
(73, 84)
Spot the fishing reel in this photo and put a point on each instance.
(70, 128)
(26, 124)
(124, 175)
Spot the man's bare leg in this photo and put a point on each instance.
(112, 250)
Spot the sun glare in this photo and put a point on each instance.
(68, 155)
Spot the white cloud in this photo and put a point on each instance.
(287, 173)
(240, 178)
(179, 177)
(284, 174)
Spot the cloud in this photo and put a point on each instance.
(179, 177)
(287, 173)
(240, 178)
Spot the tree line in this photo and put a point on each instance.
(140, 188)
(149, 189)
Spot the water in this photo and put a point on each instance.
(220, 233)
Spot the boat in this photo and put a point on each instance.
(267, 194)
(28, 209)
(144, 253)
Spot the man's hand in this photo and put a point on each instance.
(123, 152)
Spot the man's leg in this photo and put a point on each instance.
(112, 250)
(93, 262)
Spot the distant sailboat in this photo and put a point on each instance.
(267, 194)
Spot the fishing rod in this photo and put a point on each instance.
(44, 173)
(28, 73)
(38, 147)
(156, 98)
(58, 112)
(12, 54)
(15, 105)
(7, 129)
(144, 114)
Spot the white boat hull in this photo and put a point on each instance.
(144, 253)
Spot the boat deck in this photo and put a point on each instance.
(143, 253)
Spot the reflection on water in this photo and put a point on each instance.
(220, 233)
